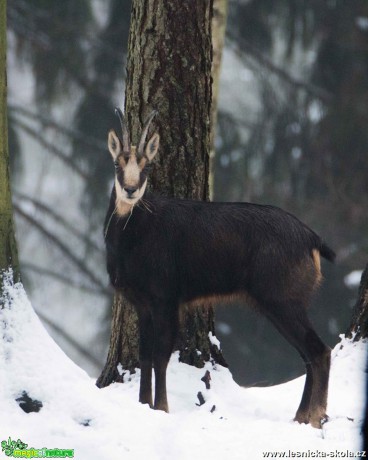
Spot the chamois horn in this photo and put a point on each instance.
(126, 140)
(145, 131)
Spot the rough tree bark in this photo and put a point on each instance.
(8, 246)
(169, 69)
(359, 322)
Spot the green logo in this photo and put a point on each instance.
(19, 449)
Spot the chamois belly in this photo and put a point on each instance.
(214, 278)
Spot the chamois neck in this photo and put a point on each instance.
(123, 209)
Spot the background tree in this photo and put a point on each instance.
(169, 68)
(300, 145)
(82, 84)
(8, 247)
(358, 328)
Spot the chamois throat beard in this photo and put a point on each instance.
(123, 209)
(123, 205)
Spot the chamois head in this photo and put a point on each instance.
(131, 163)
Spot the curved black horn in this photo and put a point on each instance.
(126, 141)
(145, 131)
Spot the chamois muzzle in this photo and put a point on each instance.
(130, 191)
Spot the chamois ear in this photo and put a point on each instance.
(113, 142)
(152, 147)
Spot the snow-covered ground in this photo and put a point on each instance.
(110, 424)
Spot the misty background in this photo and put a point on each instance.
(292, 131)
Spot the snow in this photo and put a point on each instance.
(214, 340)
(352, 280)
(362, 23)
(108, 424)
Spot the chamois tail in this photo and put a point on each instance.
(327, 252)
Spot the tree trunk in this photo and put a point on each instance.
(220, 8)
(124, 343)
(169, 69)
(8, 247)
(358, 328)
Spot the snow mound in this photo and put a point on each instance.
(109, 424)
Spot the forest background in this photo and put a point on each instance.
(292, 131)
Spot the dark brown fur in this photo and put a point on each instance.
(170, 252)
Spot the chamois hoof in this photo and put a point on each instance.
(164, 407)
(146, 400)
(302, 416)
(319, 421)
(301, 419)
(316, 422)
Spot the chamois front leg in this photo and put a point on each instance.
(165, 324)
(145, 355)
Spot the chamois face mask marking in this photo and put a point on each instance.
(131, 165)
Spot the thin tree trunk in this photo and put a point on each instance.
(169, 69)
(358, 328)
(220, 8)
(8, 246)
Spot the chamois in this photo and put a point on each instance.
(165, 252)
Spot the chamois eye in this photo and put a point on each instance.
(116, 164)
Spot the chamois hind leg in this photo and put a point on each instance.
(320, 361)
(302, 414)
(165, 324)
(145, 355)
(293, 323)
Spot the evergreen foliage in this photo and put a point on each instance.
(302, 146)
